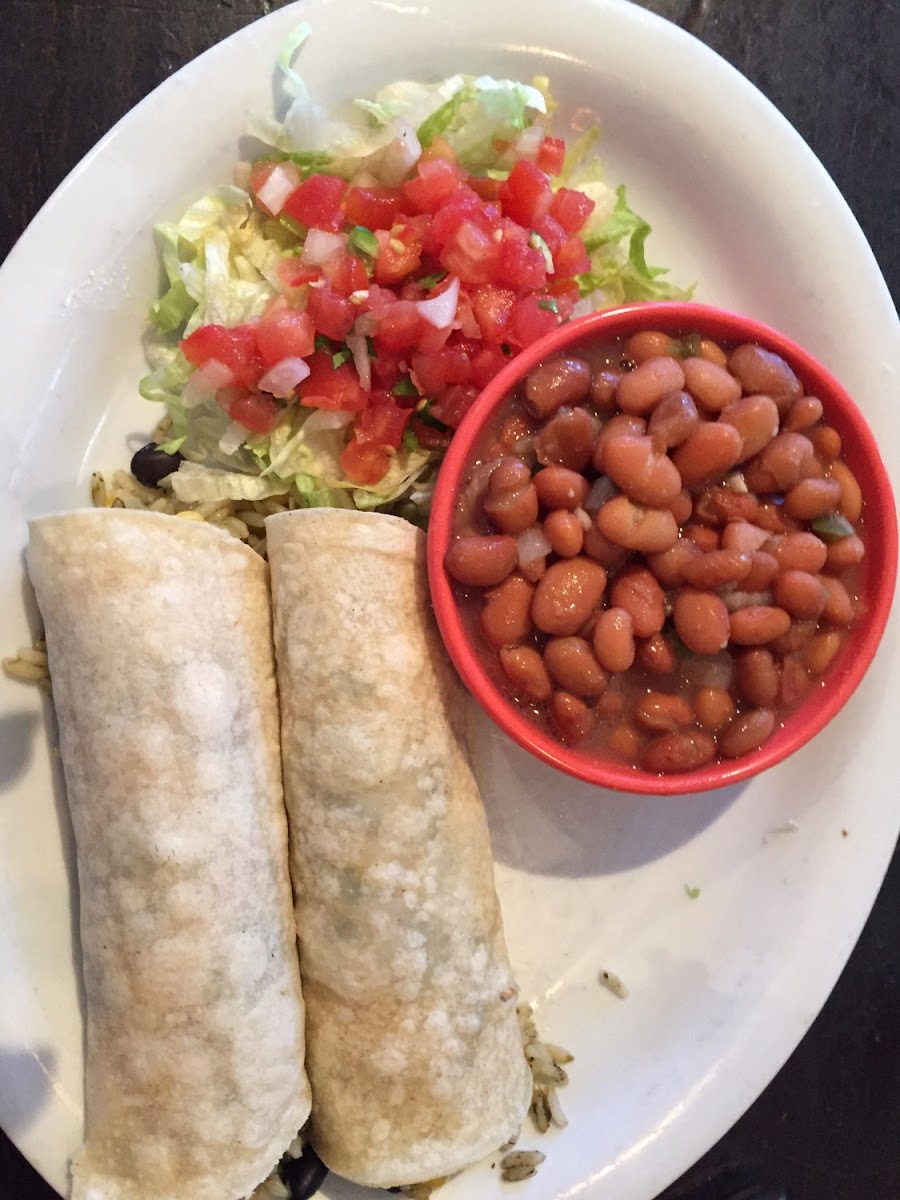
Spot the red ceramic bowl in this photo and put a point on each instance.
(879, 567)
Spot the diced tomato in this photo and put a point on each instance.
(328, 386)
(379, 300)
(435, 181)
(521, 267)
(486, 363)
(332, 313)
(364, 463)
(293, 273)
(235, 348)
(526, 195)
(454, 404)
(465, 316)
(486, 188)
(346, 273)
(430, 437)
(459, 206)
(256, 411)
(439, 148)
(471, 253)
(551, 155)
(436, 372)
(492, 307)
(571, 208)
(528, 321)
(400, 327)
(432, 340)
(382, 423)
(316, 203)
(552, 233)
(374, 207)
(386, 367)
(566, 294)
(571, 258)
(284, 332)
(400, 250)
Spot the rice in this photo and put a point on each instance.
(243, 519)
(546, 1062)
(29, 665)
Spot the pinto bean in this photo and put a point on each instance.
(674, 419)
(560, 487)
(641, 390)
(819, 653)
(637, 526)
(701, 620)
(799, 593)
(505, 616)
(603, 390)
(755, 417)
(525, 670)
(620, 425)
(655, 654)
(758, 625)
(763, 569)
(850, 504)
(838, 608)
(710, 385)
(556, 382)
(784, 458)
(663, 712)
(799, 552)
(567, 440)
(812, 498)
(757, 676)
(648, 476)
(678, 752)
(716, 569)
(637, 590)
(564, 532)
(649, 343)
(512, 510)
(804, 413)
(668, 567)
(571, 716)
(845, 553)
(746, 732)
(613, 639)
(481, 561)
(567, 594)
(571, 664)
(708, 454)
(714, 708)
(760, 370)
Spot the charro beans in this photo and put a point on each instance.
(661, 545)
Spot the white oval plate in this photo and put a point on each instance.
(722, 987)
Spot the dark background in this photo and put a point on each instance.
(828, 1126)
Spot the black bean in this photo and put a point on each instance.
(303, 1176)
(151, 465)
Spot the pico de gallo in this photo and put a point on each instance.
(328, 320)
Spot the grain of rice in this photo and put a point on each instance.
(539, 1111)
(611, 981)
(557, 1115)
(520, 1164)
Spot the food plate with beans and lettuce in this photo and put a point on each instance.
(289, 281)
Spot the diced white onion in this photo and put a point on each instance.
(602, 489)
(359, 348)
(282, 379)
(399, 157)
(532, 544)
(736, 482)
(233, 438)
(365, 324)
(322, 419)
(528, 142)
(440, 310)
(281, 182)
(205, 382)
(320, 246)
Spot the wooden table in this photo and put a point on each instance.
(828, 1127)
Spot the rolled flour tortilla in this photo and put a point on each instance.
(413, 1049)
(159, 638)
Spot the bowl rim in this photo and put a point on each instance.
(879, 573)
